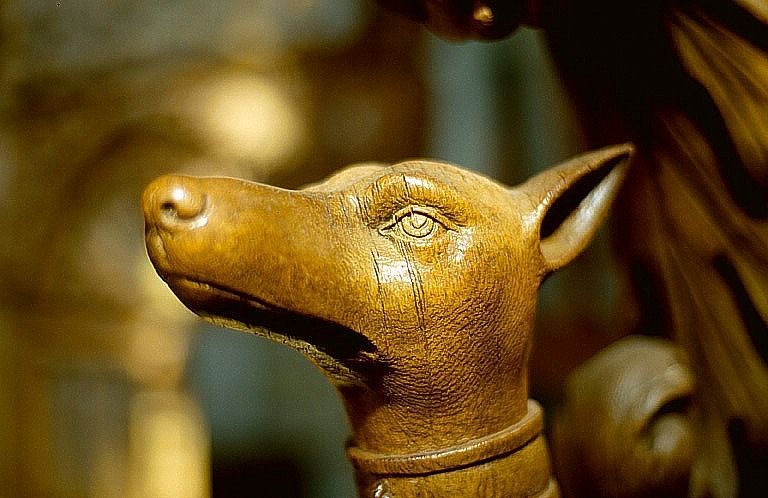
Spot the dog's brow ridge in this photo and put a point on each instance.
(395, 188)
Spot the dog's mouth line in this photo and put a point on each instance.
(335, 347)
(186, 283)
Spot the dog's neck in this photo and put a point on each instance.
(511, 462)
(387, 426)
(474, 386)
(483, 421)
(464, 454)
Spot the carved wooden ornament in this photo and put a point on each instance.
(411, 286)
(687, 81)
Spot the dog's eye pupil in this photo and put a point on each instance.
(418, 220)
(417, 225)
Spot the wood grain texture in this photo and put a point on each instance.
(626, 424)
(411, 286)
(687, 81)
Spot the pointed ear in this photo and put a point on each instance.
(572, 199)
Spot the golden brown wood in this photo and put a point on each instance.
(687, 81)
(411, 286)
(625, 427)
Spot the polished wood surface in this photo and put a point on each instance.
(687, 82)
(411, 286)
(636, 398)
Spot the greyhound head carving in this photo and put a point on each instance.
(411, 286)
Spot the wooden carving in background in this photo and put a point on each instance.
(687, 81)
(411, 286)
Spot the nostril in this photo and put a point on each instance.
(183, 206)
(175, 202)
(168, 209)
(182, 203)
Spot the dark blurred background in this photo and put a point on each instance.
(108, 386)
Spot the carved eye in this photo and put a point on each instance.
(413, 223)
(417, 224)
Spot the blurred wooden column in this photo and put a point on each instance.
(97, 99)
(94, 350)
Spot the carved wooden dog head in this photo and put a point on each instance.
(412, 286)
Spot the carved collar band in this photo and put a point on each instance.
(504, 442)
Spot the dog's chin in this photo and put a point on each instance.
(343, 354)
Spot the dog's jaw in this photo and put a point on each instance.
(340, 353)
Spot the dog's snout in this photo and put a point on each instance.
(175, 203)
